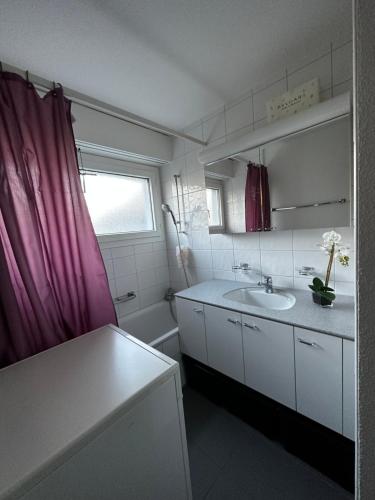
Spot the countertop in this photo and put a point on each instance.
(338, 320)
(53, 402)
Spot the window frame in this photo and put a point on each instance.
(106, 165)
(213, 183)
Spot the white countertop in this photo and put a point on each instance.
(338, 320)
(52, 403)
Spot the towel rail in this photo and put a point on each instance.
(318, 204)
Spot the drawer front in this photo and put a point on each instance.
(319, 377)
(269, 359)
(191, 326)
(348, 389)
(224, 341)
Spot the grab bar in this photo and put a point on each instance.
(124, 298)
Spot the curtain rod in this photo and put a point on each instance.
(100, 106)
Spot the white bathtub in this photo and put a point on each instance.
(155, 326)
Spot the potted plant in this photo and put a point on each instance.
(322, 293)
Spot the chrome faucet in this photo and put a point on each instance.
(267, 283)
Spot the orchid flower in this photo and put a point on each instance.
(333, 247)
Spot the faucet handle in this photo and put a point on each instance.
(267, 280)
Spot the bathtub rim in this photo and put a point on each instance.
(163, 338)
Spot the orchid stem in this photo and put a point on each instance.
(329, 268)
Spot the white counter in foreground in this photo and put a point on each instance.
(98, 417)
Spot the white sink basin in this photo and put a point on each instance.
(278, 300)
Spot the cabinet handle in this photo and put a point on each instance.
(253, 327)
(234, 321)
(310, 344)
(196, 310)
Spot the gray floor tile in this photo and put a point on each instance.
(204, 472)
(230, 460)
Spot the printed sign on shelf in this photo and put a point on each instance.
(293, 101)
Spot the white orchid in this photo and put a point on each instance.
(331, 242)
(331, 237)
(333, 247)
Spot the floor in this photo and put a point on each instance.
(230, 460)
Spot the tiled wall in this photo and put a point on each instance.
(281, 253)
(142, 268)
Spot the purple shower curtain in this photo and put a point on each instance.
(53, 282)
(257, 199)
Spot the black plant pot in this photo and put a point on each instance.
(321, 301)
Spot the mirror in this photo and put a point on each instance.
(309, 181)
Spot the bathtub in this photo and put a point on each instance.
(155, 326)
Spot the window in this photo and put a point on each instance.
(213, 205)
(214, 195)
(120, 198)
(118, 203)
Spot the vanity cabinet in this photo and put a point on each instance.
(307, 371)
(224, 341)
(319, 377)
(348, 392)
(269, 359)
(192, 329)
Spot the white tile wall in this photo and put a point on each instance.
(321, 67)
(277, 261)
(281, 253)
(239, 116)
(142, 268)
(214, 127)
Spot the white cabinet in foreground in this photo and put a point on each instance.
(269, 359)
(319, 377)
(99, 417)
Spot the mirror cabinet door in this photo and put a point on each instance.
(308, 168)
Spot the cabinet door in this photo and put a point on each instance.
(190, 317)
(348, 389)
(224, 341)
(319, 377)
(269, 359)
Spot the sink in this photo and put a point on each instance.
(278, 300)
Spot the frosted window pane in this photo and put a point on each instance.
(214, 208)
(119, 203)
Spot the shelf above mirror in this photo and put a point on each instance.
(318, 115)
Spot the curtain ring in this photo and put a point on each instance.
(54, 93)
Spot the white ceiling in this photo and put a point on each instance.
(172, 61)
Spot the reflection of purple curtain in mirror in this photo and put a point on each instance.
(53, 281)
(257, 199)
